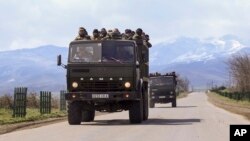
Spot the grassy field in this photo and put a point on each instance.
(32, 115)
(238, 107)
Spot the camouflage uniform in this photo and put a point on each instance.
(82, 34)
(96, 35)
(147, 43)
(127, 35)
(104, 35)
(138, 37)
(115, 34)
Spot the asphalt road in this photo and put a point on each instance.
(195, 119)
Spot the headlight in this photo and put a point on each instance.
(127, 85)
(74, 84)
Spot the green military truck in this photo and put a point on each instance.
(106, 76)
(162, 89)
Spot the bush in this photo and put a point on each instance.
(6, 101)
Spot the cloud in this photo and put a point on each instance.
(56, 21)
(28, 43)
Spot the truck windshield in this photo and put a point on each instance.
(102, 52)
(160, 81)
(117, 52)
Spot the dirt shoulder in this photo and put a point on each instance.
(33, 124)
(182, 95)
(238, 107)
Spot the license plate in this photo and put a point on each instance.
(162, 96)
(100, 96)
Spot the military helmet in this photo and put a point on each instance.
(82, 28)
(95, 31)
(127, 31)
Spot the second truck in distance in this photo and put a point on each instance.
(162, 89)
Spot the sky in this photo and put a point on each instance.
(33, 23)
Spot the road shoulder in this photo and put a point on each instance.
(230, 105)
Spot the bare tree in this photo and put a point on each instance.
(239, 68)
(183, 83)
(32, 100)
(6, 101)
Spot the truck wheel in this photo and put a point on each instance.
(74, 113)
(151, 104)
(136, 112)
(145, 105)
(174, 103)
(88, 116)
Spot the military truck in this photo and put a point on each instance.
(106, 76)
(162, 89)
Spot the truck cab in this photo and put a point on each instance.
(105, 76)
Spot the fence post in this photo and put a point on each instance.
(45, 102)
(19, 109)
(62, 101)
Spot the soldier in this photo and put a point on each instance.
(147, 43)
(116, 34)
(82, 34)
(127, 35)
(96, 35)
(138, 36)
(132, 33)
(104, 35)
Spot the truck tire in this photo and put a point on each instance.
(145, 104)
(74, 113)
(88, 116)
(151, 104)
(136, 112)
(174, 103)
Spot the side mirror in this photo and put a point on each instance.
(59, 60)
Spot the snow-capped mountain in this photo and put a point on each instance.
(184, 50)
(201, 61)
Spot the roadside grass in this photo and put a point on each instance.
(32, 115)
(235, 106)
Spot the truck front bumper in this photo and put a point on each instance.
(101, 96)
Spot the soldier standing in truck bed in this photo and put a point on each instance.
(96, 35)
(138, 36)
(116, 34)
(147, 43)
(104, 35)
(82, 34)
(127, 35)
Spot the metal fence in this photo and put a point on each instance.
(45, 102)
(62, 101)
(19, 107)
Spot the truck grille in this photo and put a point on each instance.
(102, 86)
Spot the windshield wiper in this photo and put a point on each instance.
(117, 60)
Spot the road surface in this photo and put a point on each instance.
(195, 119)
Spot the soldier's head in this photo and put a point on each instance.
(139, 31)
(116, 31)
(127, 31)
(82, 31)
(132, 33)
(103, 32)
(95, 33)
